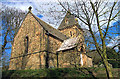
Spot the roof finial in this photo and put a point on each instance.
(30, 8)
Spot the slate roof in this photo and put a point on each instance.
(50, 29)
(69, 43)
(47, 27)
(71, 21)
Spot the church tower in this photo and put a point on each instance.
(69, 26)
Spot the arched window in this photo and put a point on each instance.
(26, 44)
(82, 48)
(70, 33)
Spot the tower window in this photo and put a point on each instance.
(70, 33)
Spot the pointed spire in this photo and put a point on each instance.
(68, 20)
(30, 8)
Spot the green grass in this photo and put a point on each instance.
(57, 72)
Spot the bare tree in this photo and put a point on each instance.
(97, 16)
(11, 21)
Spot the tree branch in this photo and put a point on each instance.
(109, 19)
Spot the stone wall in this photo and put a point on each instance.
(37, 42)
(89, 62)
(72, 31)
(54, 44)
(69, 58)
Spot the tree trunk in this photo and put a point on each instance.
(105, 61)
(108, 69)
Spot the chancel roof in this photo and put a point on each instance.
(69, 43)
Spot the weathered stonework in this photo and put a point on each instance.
(31, 28)
(35, 40)
(72, 31)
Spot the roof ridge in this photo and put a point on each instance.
(43, 21)
(49, 28)
(20, 24)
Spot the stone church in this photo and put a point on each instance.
(39, 45)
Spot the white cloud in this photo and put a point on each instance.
(29, 1)
(40, 5)
(21, 5)
(114, 42)
(36, 4)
